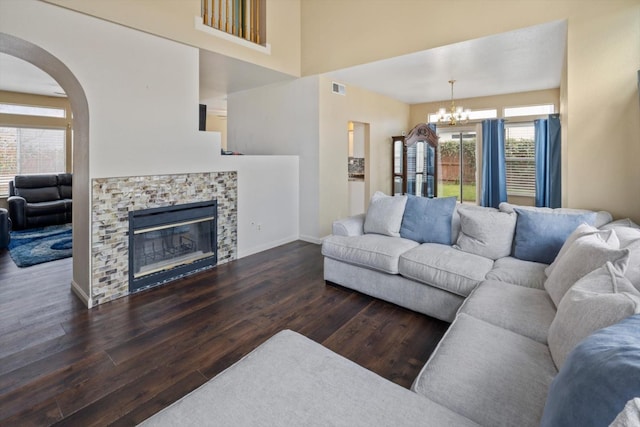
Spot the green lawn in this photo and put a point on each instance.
(468, 191)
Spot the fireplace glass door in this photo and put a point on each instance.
(169, 243)
(165, 247)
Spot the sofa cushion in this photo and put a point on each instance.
(46, 208)
(526, 311)
(602, 217)
(628, 234)
(598, 378)
(585, 254)
(630, 415)
(620, 224)
(384, 215)
(598, 300)
(488, 374)
(518, 272)
(540, 235)
(35, 181)
(581, 230)
(428, 220)
(38, 195)
(370, 250)
(633, 268)
(65, 185)
(485, 231)
(444, 267)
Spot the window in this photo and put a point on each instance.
(520, 159)
(529, 110)
(473, 115)
(29, 110)
(30, 150)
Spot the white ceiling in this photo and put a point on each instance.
(17, 75)
(518, 61)
(221, 75)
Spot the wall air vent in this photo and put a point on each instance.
(338, 88)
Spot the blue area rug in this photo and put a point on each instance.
(38, 245)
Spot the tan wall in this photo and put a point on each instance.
(386, 117)
(603, 147)
(175, 20)
(600, 110)
(217, 123)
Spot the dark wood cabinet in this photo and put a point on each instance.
(414, 165)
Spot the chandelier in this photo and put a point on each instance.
(455, 115)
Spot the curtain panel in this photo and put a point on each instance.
(494, 167)
(548, 162)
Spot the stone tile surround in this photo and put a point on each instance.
(113, 198)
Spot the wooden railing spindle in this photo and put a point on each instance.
(241, 18)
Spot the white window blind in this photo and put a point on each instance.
(30, 150)
(520, 159)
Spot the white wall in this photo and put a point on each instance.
(267, 201)
(282, 119)
(142, 94)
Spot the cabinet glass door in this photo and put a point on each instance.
(397, 185)
(397, 157)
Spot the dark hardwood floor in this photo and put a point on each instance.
(121, 362)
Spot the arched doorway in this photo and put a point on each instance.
(14, 46)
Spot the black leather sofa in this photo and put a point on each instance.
(40, 199)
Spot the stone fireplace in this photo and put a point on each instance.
(114, 198)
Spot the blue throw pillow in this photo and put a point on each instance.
(428, 220)
(540, 235)
(600, 375)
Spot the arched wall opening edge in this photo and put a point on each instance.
(14, 46)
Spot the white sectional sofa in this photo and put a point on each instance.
(435, 278)
(501, 292)
(545, 330)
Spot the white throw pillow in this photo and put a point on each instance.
(598, 300)
(582, 230)
(485, 231)
(628, 234)
(584, 255)
(384, 215)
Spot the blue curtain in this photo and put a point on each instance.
(494, 167)
(548, 162)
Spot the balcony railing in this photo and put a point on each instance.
(242, 18)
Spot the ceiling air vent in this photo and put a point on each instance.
(338, 88)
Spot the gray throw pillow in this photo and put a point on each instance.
(585, 254)
(485, 231)
(582, 230)
(600, 299)
(384, 215)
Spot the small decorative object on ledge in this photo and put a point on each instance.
(414, 166)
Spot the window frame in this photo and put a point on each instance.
(44, 122)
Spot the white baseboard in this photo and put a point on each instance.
(270, 245)
(76, 289)
(312, 239)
